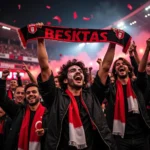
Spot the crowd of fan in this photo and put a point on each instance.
(109, 89)
(17, 50)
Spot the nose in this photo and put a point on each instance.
(20, 94)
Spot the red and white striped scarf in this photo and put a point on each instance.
(34, 142)
(119, 114)
(76, 130)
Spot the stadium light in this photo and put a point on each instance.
(132, 23)
(4, 27)
(123, 27)
(91, 64)
(81, 45)
(121, 24)
(147, 8)
(147, 15)
(57, 70)
(141, 51)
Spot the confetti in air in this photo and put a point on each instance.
(129, 7)
(57, 18)
(19, 6)
(75, 16)
(86, 18)
(48, 23)
(48, 7)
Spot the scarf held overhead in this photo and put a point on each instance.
(31, 32)
(34, 142)
(119, 114)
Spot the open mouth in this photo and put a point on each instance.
(78, 78)
(121, 69)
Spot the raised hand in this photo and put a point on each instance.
(148, 43)
(99, 61)
(25, 68)
(5, 74)
(18, 74)
(39, 24)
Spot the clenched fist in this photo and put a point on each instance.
(5, 73)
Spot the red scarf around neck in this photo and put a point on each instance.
(10, 94)
(76, 130)
(2, 127)
(119, 114)
(34, 142)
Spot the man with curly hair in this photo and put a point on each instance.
(76, 120)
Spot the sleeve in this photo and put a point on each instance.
(142, 81)
(134, 64)
(47, 90)
(99, 89)
(19, 81)
(6, 103)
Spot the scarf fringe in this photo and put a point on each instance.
(72, 143)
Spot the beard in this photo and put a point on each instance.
(122, 76)
(35, 103)
(73, 85)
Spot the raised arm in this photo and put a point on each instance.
(19, 79)
(133, 61)
(43, 60)
(136, 55)
(142, 76)
(45, 79)
(30, 75)
(106, 64)
(142, 64)
(99, 86)
(8, 105)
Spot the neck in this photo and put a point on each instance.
(12, 89)
(34, 108)
(75, 92)
(123, 81)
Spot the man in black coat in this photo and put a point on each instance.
(126, 112)
(26, 119)
(76, 120)
(5, 124)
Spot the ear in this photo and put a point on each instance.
(65, 81)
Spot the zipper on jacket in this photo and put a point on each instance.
(61, 127)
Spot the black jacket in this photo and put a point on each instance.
(139, 87)
(6, 128)
(15, 112)
(57, 102)
(147, 95)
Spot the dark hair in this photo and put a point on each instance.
(64, 71)
(127, 63)
(30, 85)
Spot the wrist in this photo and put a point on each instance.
(3, 78)
(148, 47)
